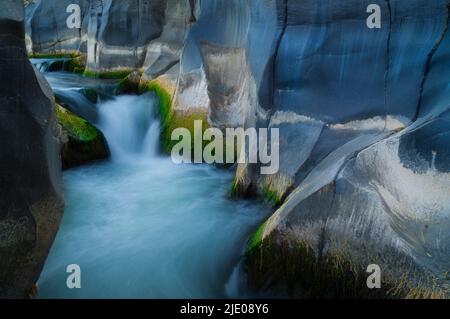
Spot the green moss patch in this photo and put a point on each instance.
(235, 188)
(256, 239)
(117, 74)
(84, 144)
(182, 120)
(74, 65)
(171, 120)
(75, 127)
(272, 196)
(290, 268)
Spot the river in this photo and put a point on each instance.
(138, 225)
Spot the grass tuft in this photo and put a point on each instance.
(255, 240)
(272, 196)
(284, 266)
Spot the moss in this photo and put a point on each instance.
(117, 74)
(272, 196)
(85, 143)
(182, 120)
(256, 239)
(75, 126)
(171, 120)
(287, 267)
(235, 188)
(74, 65)
(71, 65)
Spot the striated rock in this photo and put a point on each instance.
(231, 88)
(31, 185)
(47, 30)
(164, 52)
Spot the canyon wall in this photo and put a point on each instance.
(31, 198)
(46, 27)
(362, 112)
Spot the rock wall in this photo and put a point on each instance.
(362, 113)
(46, 27)
(31, 198)
(375, 190)
(119, 32)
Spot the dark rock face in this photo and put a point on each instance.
(119, 32)
(31, 198)
(376, 191)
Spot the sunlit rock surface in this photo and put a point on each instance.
(31, 198)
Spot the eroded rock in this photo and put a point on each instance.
(31, 198)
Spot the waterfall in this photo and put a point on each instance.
(50, 64)
(138, 225)
(131, 127)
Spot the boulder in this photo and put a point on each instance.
(81, 142)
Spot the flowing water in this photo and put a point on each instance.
(140, 226)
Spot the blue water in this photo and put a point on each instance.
(140, 226)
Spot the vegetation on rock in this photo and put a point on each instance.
(287, 267)
(171, 119)
(130, 84)
(84, 142)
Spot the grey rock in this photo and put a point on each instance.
(165, 51)
(363, 113)
(46, 27)
(379, 197)
(119, 32)
(30, 167)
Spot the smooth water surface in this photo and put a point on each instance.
(140, 226)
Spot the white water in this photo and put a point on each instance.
(131, 127)
(140, 226)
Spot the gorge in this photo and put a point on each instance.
(363, 117)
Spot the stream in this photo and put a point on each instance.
(138, 225)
